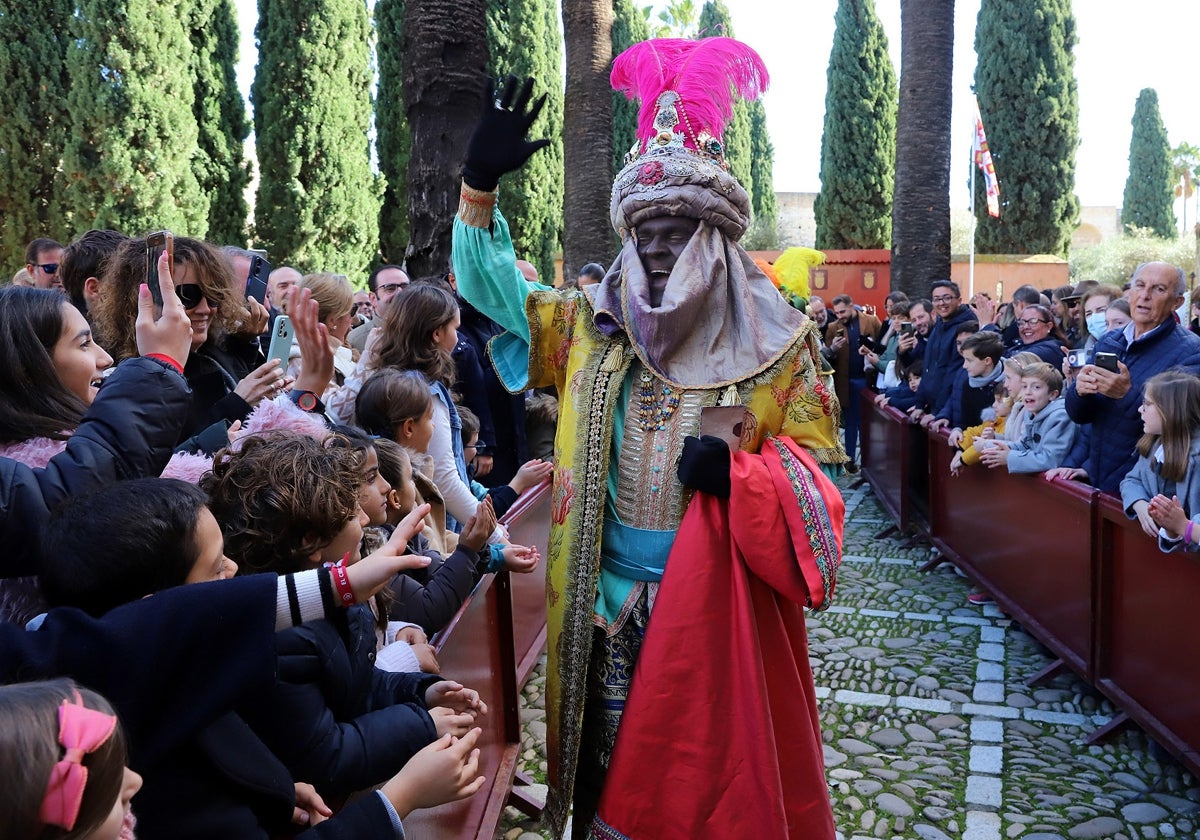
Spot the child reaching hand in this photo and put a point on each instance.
(1163, 489)
(531, 473)
(978, 438)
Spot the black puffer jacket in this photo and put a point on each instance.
(213, 372)
(129, 432)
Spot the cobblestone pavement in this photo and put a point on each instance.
(929, 729)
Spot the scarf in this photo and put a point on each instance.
(721, 320)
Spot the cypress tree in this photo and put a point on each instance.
(317, 203)
(524, 40)
(629, 28)
(764, 231)
(128, 159)
(393, 142)
(35, 124)
(1028, 97)
(1148, 190)
(221, 122)
(715, 22)
(858, 146)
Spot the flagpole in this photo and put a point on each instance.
(971, 257)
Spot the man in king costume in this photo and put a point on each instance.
(719, 736)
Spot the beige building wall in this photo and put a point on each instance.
(798, 224)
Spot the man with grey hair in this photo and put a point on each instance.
(1108, 402)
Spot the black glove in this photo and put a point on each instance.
(705, 464)
(498, 143)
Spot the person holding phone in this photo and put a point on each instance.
(1106, 401)
(226, 372)
(844, 337)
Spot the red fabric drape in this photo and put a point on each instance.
(720, 736)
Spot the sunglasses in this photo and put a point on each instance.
(49, 268)
(190, 295)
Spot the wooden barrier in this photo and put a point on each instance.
(490, 645)
(1067, 563)
(528, 523)
(1148, 632)
(885, 457)
(1026, 541)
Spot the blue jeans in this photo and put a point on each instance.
(852, 415)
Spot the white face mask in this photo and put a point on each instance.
(1096, 324)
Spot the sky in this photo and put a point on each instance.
(1118, 54)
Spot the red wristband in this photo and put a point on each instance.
(341, 582)
(167, 360)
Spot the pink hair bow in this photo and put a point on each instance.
(80, 731)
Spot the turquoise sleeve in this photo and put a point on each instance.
(487, 276)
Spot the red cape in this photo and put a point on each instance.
(720, 736)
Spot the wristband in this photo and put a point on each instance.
(341, 582)
(495, 557)
(166, 360)
(1187, 533)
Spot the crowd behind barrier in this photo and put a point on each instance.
(1066, 563)
(492, 645)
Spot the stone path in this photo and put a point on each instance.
(929, 729)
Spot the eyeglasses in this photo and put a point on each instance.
(943, 299)
(1029, 322)
(49, 268)
(190, 295)
(390, 288)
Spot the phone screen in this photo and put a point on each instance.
(156, 243)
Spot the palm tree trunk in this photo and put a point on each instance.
(587, 134)
(445, 56)
(921, 208)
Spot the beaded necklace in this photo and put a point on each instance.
(657, 401)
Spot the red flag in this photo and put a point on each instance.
(983, 159)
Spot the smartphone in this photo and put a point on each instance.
(156, 243)
(1076, 358)
(256, 280)
(1106, 361)
(867, 341)
(281, 341)
(906, 329)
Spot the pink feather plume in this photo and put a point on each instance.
(709, 75)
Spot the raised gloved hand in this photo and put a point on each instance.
(498, 143)
(705, 464)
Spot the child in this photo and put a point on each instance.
(287, 502)
(1163, 488)
(89, 798)
(904, 395)
(428, 597)
(398, 405)
(1048, 431)
(973, 387)
(977, 438)
(531, 473)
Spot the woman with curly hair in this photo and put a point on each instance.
(225, 369)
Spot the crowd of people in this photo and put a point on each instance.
(146, 447)
(235, 514)
(1088, 383)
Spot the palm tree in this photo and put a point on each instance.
(1185, 161)
(587, 134)
(921, 206)
(445, 53)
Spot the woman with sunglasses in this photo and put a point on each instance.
(225, 370)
